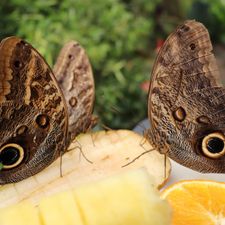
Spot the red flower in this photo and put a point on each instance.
(159, 44)
(145, 85)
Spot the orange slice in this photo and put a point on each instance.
(197, 202)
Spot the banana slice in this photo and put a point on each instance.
(128, 198)
(91, 157)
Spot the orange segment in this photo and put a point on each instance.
(197, 202)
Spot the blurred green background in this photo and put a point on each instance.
(120, 37)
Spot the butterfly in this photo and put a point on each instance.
(186, 103)
(40, 111)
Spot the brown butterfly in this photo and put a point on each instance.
(186, 104)
(40, 116)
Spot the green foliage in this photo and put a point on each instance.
(118, 35)
(212, 14)
(115, 35)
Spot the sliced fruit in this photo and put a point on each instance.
(60, 209)
(115, 151)
(127, 199)
(197, 202)
(20, 214)
(110, 153)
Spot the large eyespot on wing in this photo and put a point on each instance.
(33, 113)
(11, 155)
(213, 145)
(184, 86)
(74, 74)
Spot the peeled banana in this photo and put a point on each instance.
(125, 199)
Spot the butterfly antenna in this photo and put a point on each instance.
(105, 127)
(115, 109)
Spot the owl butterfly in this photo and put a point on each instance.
(186, 103)
(40, 116)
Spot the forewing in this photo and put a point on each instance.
(33, 113)
(186, 96)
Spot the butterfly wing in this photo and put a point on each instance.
(33, 113)
(74, 74)
(186, 100)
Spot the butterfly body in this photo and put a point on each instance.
(187, 101)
